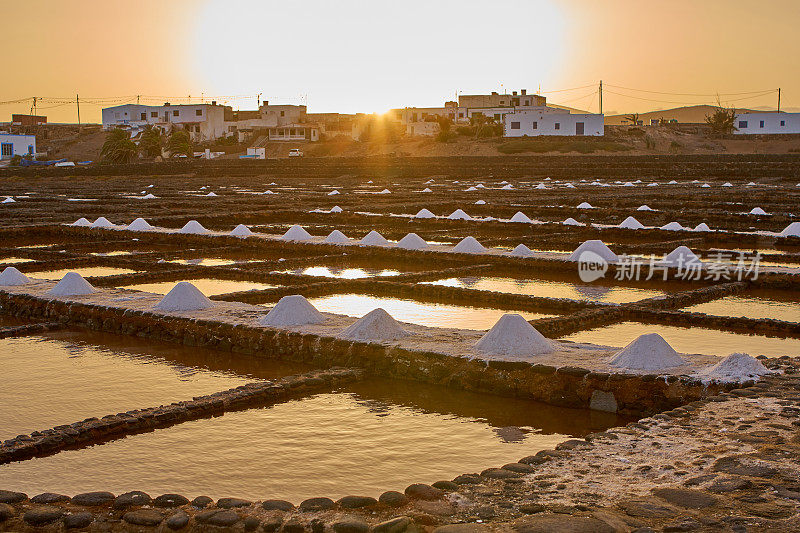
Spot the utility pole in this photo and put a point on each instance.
(601, 97)
(34, 106)
(779, 99)
(137, 99)
(78, 103)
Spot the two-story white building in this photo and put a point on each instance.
(204, 122)
(12, 144)
(766, 123)
(543, 120)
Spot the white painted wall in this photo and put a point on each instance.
(538, 121)
(16, 145)
(767, 123)
(209, 119)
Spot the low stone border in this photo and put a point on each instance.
(94, 430)
(29, 329)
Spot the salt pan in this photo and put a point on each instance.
(377, 325)
(647, 352)
(184, 297)
(292, 310)
(513, 337)
(72, 284)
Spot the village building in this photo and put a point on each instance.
(12, 144)
(769, 123)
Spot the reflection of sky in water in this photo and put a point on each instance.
(422, 313)
(209, 287)
(740, 306)
(15, 260)
(83, 271)
(205, 261)
(341, 273)
(550, 289)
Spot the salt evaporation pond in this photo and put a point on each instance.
(15, 260)
(691, 340)
(755, 304)
(341, 273)
(551, 289)
(83, 271)
(365, 439)
(205, 261)
(208, 286)
(65, 376)
(414, 312)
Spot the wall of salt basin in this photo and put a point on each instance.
(635, 395)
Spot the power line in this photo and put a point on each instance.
(688, 94)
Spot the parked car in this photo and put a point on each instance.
(295, 152)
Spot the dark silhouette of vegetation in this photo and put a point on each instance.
(151, 142)
(633, 118)
(118, 147)
(380, 130)
(722, 121)
(180, 143)
(445, 130)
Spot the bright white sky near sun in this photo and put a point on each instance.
(373, 55)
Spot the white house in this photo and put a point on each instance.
(11, 145)
(551, 121)
(766, 123)
(203, 121)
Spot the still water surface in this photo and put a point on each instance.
(341, 273)
(83, 271)
(752, 305)
(209, 287)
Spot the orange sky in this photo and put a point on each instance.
(359, 56)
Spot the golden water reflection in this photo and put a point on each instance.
(208, 286)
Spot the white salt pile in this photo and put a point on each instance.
(193, 227)
(480, 202)
(8, 200)
(569, 186)
(507, 187)
(792, 230)
(139, 224)
(373, 238)
(72, 284)
(512, 336)
(654, 184)
(81, 222)
(469, 245)
(672, 182)
(521, 251)
(480, 186)
(705, 186)
(149, 196)
(292, 310)
(385, 191)
(519, 216)
(102, 222)
(269, 192)
(647, 352)
(470, 189)
(211, 194)
(751, 184)
(595, 246)
(572, 222)
(296, 233)
(735, 368)
(459, 214)
(336, 209)
(672, 226)
(424, 213)
(12, 277)
(337, 237)
(585, 205)
(727, 184)
(757, 211)
(333, 193)
(426, 189)
(184, 297)
(628, 184)
(412, 241)
(702, 227)
(241, 231)
(377, 325)
(631, 223)
(681, 256)
(541, 186)
(644, 207)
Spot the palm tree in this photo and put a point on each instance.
(180, 143)
(151, 141)
(118, 147)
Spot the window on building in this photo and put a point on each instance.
(527, 102)
(742, 124)
(30, 149)
(175, 112)
(197, 129)
(144, 116)
(761, 124)
(535, 125)
(515, 125)
(126, 113)
(558, 125)
(461, 115)
(198, 112)
(153, 114)
(502, 102)
(783, 122)
(6, 149)
(283, 113)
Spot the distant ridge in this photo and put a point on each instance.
(688, 114)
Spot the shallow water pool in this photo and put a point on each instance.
(414, 312)
(761, 304)
(83, 271)
(208, 286)
(341, 273)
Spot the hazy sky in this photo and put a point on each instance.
(372, 55)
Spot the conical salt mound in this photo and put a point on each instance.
(292, 310)
(72, 284)
(11, 277)
(792, 230)
(193, 227)
(424, 213)
(681, 256)
(102, 222)
(336, 209)
(469, 245)
(647, 352)
(596, 246)
(702, 227)
(296, 233)
(572, 222)
(459, 214)
(241, 231)
(139, 224)
(426, 189)
(644, 207)
(672, 226)
(337, 237)
(757, 211)
(735, 368)
(519, 216)
(373, 238)
(585, 205)
(81, 222)
(184, 297)
(211, 194)
(412, 241)
(521, 251)
(512, 335)
(377, 325)
(8, 200)
(149, 196)
(631, 223)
